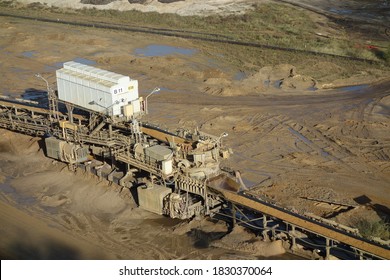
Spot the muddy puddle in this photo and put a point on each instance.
(29, 54)
(354, 88)
(240, 75)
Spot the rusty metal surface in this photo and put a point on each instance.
(165, 137)
(223, 182)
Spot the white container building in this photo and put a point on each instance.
(98, 90)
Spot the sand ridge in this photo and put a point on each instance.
(183, 8)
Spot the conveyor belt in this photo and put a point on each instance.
(332, 233)
(11, 104)
(39, 110)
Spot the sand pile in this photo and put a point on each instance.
(269, 79)
(219, 83)
(208, 232)
(241, 239)
(283, 76)
(219, 89)
(184, 8)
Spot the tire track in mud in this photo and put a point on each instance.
(317, 141)
(312, 139)
(328, 139)
(285, 127)
(357, 136)
(342, 156)
(321, 143)
(271, 123)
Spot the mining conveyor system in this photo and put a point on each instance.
(176, 174)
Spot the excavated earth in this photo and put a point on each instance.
(294, 144)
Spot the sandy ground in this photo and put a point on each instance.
(288, 144)
(184, 8)
(47, 212)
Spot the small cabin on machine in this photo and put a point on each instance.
(99, 90)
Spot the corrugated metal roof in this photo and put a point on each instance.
(95, 72)
(97, 80)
